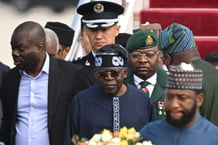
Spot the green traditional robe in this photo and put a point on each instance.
(209, 108)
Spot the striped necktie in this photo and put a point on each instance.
(144, 85)
(116, 114)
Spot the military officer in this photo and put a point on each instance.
(101, 24)
(100, 20)
(144, 71)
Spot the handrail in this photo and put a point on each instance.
(76, 25)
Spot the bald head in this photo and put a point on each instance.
(31, 30)
(28, 47)
(52, 42)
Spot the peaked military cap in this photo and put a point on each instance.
(100, 14)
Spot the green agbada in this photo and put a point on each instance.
(209, 109)
(183, 40)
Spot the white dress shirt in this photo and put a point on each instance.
(32, 111)
(152, 81)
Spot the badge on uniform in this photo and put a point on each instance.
(161, 108)
(149, 40)
(87, 63)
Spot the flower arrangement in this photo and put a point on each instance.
(124, 137)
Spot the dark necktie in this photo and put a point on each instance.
(144, 85)
(116, 114)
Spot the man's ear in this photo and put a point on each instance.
(200, 99)
(167, 59)
(41, 46)
(125, 73)
(65, 51)
(118, 30)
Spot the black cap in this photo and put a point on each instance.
(111, 55)
(122, 38)
(100, 14)
(64, 32)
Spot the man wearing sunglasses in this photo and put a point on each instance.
(111, 104)
(144, 72)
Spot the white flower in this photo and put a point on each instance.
(116, 140)
(147, 143)
(138, 143)
(137, 134)
(96, 138)
(105, 137)
(91, 142)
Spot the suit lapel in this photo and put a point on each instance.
(129, 78)
(157, 93)
(159, 88)
(12, 96)
(53, 91)
(91, 60)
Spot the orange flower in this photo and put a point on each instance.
(116, 133)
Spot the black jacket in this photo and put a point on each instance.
(61, 89)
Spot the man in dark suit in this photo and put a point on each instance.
(100, 20)
(144, 68)
(3, 68)
(36, 93)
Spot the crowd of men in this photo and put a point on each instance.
(47, 100)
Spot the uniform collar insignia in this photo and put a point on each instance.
(87, 63)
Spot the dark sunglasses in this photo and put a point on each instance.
(113, 73)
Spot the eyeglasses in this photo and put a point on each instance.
(137, 55)
(113, 73)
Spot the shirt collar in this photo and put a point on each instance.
(93, 53)
(152, 80)
(45, 67)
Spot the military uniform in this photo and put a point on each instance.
(157, 96)
(145, 39)
(95, 15)
(88, 61)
